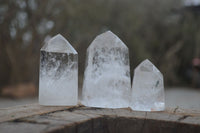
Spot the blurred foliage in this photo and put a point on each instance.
(165, 31)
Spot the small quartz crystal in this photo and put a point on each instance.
(107, 73)
(148, 88)
(58, 83)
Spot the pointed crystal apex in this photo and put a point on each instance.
(148, 88)
(107, 39)
(148, 66)
(58, 44)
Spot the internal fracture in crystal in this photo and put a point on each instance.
(107, 74)
(58, 84)
(148, 88)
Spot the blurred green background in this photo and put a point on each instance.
(165, 31)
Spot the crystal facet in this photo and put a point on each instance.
(107, 73)
(148, 88)
(58, 83)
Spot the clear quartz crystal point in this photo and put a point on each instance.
(148, 88)
(58, 83)
(107, 74)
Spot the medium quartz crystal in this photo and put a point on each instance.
(107, 74)
(58, 84)
(148, 88)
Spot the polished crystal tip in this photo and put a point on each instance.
(58, 44)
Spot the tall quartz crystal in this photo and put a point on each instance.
(148, 88)
(107, 73)
(58, 83)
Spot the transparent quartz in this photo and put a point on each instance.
(107, 74)
(148, 88)
(58, 82)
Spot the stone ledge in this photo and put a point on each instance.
(79, 119)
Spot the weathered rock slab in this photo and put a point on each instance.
(79, 119)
